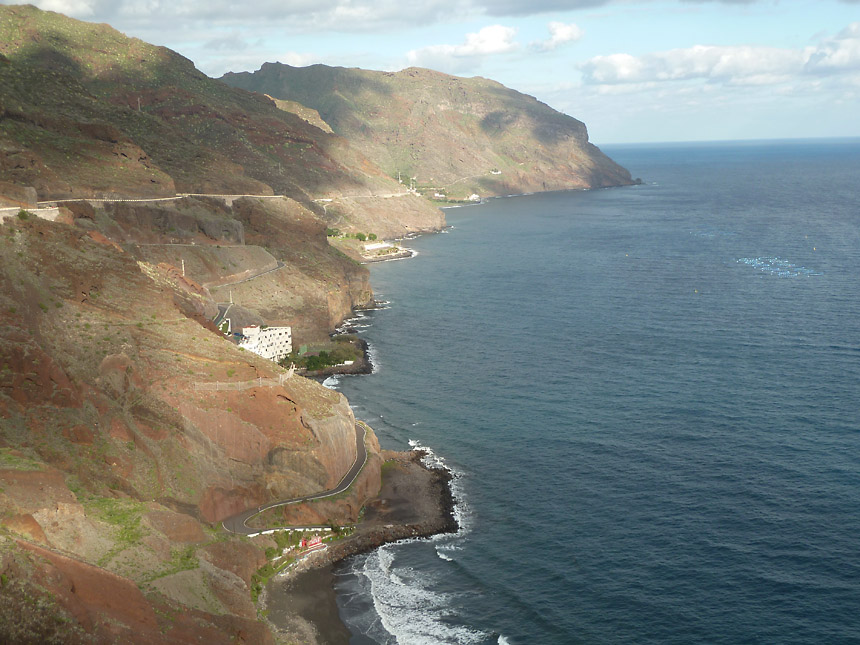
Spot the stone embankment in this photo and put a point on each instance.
(48, 213)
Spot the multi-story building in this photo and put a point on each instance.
(273, 343)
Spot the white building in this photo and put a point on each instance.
(273, 343)
(375, 246)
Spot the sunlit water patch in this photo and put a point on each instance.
(778, 267)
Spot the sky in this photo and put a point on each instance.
(632, 70)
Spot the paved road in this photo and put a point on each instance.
(382, 195)
(222, 313)
(237, 523)
(280, 266)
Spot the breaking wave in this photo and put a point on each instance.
(405, 606)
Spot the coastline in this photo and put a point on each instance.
(405, 254)
(415, 500)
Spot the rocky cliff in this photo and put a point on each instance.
(456, 136)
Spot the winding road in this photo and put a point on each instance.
(237, 523)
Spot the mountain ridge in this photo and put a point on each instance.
(456, 135)
(87, 112)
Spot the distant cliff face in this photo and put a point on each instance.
(455, 135)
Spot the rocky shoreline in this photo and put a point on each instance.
(400, 255)
(361, 366)
(415, 500)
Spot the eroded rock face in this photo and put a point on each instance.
(176, 527)
(95, 595)
(33, 377)
(335, 441)
(30, 490)
(296, 450)
(15, 195)
(184, 220)
(237, 439)
(27, 526)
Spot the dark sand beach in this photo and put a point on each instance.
(414, 501)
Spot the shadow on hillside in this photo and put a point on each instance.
(548, 126)
(325, 89)
(497, 122)
(207, 136)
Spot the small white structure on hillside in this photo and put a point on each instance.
(375, 246)
(273, 343)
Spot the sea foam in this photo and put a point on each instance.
(408, 608)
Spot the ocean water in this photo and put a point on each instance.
(651, 399)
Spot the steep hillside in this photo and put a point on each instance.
(127, 431)
(269, 255)
(455, 135)
(88, 112)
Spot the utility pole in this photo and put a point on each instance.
(138, 104)
(183, 268)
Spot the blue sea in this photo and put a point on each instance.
(650, 397)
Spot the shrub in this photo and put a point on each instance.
(22, 214)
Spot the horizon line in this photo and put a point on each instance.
(845, 138)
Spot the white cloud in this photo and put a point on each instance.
(76, 8)
(495, 39)
(489, 41)
(730, 65)
(559, 34)
(838, 54)
(297, 59)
